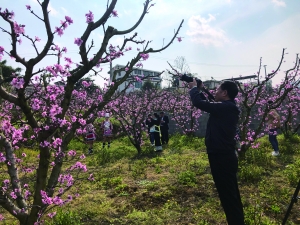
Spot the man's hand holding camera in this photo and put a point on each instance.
(193, 84)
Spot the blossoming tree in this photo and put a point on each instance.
(253, 99)
(53, 114)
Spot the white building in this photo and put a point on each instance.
(154, 78)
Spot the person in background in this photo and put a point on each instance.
(107, 130)
(164, 128)
(273, 124)
(90, 137)
(149, 123)
(155, 129)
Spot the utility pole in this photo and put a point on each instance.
(265, 70)
(111, 72)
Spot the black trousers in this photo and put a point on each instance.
(224, 171)
(164, 134)
(157, 138)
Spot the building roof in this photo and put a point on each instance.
(134, 68)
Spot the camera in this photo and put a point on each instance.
(189, 79)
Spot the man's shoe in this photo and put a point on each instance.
(275, 153)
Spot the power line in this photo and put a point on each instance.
(165, 58)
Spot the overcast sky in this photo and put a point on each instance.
(220, 38)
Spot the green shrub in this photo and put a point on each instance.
(187, 178)
(103, 156)
(138, 217)
(251, 173)
(259, 156)
(292, 172)
(198, 166)
(65, 217)
(139, 169)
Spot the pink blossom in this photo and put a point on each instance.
(89, 17)
(72, 153)
(82, 121)
(64, 24)
(86, 84)
(28, 7)
(18, 28)
(51, 215)
(59, 31)
(57, 142)
(18, 83)
(69, 20)
(13, 195)
(91, 177)
(6, 182)
(139, 65)
(27, 194)
(2, 157)
(100, 98)
(78, 41)
(69, 60)
(1, 217)
(179, 39)
(114, 13)
(1, 52)
(45, 199)
(73, 119)
(144, 56)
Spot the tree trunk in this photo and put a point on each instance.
(138, 148)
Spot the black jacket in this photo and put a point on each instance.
(149, 123)
(221, 125)
(166, 123)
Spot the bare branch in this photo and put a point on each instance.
(146, 4)
(159, 50)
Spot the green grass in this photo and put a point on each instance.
(176, 187)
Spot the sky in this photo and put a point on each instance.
(220, 38)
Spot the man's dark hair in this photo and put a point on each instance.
(156, 115)
(162, 113)
(231, 88)
(149, 115)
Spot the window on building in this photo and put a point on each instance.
(138, 72)
(138, 84)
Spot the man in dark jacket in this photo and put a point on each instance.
(149, 124)
(220, 144)
(164, 128)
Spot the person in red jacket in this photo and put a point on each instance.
(90, 137)
(107, 130)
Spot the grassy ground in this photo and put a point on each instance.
(176, 187)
